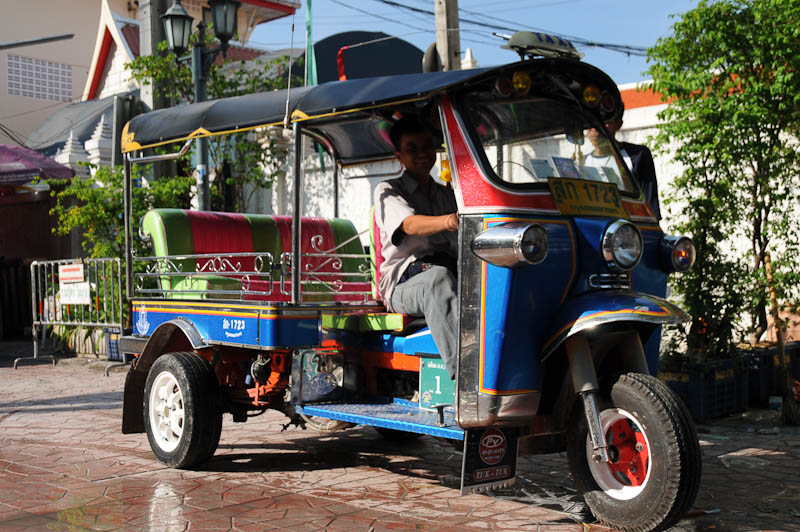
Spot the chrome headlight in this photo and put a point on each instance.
(677, 253)
(511, 244)
(622, 246)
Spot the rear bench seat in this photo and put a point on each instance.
(184, 232)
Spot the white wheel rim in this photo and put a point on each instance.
(166, 412)
(612, 482)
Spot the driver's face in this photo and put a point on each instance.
(417, 153)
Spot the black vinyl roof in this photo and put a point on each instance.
(250, 111)
(344, 113)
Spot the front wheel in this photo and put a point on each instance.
(182, 415)
(654, 473)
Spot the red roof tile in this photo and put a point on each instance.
(130, 32)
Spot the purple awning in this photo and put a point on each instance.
(18, 165)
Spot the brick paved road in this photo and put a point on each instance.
(64, 465)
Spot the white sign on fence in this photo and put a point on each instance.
(70, 273)
(75, 293)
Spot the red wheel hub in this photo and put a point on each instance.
(633, 455)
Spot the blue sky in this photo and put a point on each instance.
(636, 23)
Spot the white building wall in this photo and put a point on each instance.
(29, 19)
(116, 78)
(356, 187)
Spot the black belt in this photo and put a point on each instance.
(425, 263)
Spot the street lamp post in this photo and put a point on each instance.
(177, 26)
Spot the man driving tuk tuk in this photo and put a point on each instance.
(417, 222)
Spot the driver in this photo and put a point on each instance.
(418, 225)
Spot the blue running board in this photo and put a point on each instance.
(399, 415)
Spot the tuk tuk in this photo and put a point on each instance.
(562, 274)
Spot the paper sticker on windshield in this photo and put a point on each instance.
(586, 198)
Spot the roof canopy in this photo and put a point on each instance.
(352, 115)
(305, 104)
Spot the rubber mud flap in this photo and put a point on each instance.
(490, 458)
(133, 399)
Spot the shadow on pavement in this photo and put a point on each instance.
(91, 401)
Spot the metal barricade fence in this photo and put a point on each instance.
(75, 293)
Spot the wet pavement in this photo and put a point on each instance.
(65, 465)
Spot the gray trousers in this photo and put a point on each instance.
(432, 294)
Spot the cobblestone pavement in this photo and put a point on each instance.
(64, 465)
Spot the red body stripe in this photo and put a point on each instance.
(476, 190)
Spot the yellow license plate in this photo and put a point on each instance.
(586, 198)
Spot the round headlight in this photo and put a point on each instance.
(511, 244)
(683, 254)
(622, 245)
(678, 253)
(533, 244)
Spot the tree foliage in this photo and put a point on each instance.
(94, 207)
(731, 73)
(242, 162)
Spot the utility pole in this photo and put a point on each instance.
(448, 42)
(200, 64)
(151, 32)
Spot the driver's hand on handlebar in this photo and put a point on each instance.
(451, 222)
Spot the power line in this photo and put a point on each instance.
(616, 47)
(630, 50)
(10, 133)
(527, 3)
(378, 16)
(34, 110)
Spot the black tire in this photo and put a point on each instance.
(396, 435)
(663, 440)
(182, 414)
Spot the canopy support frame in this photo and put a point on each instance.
(297, 210)
(130, 160)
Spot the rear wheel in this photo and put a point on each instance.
(183, 418)
(654, 473)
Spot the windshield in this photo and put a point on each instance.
(529, 140)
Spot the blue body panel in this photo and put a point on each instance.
(515, 309)
(219, 323)
(289, 331)
(647, 277)
(418, 342)
(231, 323)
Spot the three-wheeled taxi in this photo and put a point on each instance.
(562, 272)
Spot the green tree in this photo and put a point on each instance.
(243, 162)
(731, 73)
(94, 207)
